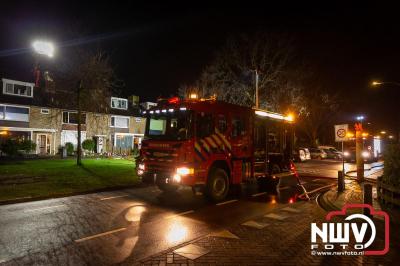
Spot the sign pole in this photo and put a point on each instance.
(344, 174)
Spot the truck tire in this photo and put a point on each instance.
(217, 185)
(275, 169)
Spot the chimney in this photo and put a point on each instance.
(134, 101)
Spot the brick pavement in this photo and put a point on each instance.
(285, 242)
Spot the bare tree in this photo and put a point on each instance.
(85, 80)
(232, 74)
(319, 111)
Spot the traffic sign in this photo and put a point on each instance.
(341, 132)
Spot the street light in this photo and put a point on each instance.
(43, 48)
(376, 83)
(360, 118)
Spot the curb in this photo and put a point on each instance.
(369, 169)
(325, 204)
(63, 195)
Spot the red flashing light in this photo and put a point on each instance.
(173, 100)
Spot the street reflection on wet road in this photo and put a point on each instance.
(128, 225)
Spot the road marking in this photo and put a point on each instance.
(99, 235)
(114, 197)
(179, 214)
(45, 208)
(259, 194)
(276, 216)
(289, 209)
(255, 224)
(224, 234)
(226, 202)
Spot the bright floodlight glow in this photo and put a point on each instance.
(376, 83)
(360, 118)
(383, 132)
(43, 48)
(193, 96)
(289, 117)
(271, 115)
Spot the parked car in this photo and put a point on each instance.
(302, 154)
(332, 152)
(350, 155)
(318, 153)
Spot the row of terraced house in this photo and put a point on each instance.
(34, 113)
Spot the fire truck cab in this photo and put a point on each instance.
(212, 145)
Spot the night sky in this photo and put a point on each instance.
(155, 48)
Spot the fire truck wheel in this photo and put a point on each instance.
(217, 185)
(275, 169)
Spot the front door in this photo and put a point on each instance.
(42, 144)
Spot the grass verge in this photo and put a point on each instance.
(53, 177)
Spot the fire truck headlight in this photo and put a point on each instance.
(176, 178)
(184, 171)
(141, 166)
(365, 154)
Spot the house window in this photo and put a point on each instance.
(44, 111)
(120, 121)
(119, 103)
(17, 88)
(71, 117)
(14, 113)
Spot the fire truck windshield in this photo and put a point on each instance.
(170, 126)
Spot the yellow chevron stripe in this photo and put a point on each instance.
(226, 142)
(216, 139)
(205, 145)
(211, 142)
(197, 146)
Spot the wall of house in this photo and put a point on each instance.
(96, 124)
(137, 125)
(52, 120)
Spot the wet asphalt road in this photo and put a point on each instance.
(110, 227)
(329, 168)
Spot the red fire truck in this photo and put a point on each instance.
(212, 145)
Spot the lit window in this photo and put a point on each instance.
(71, 117)
(14, 113)
(119, 103)
(119, 121)
(17, 88)
(44, 111)
(2, 112)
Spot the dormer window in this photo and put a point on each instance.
(119, 103)
(17, 88)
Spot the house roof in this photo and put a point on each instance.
(53, 98)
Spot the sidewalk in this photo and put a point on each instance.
(280, 237)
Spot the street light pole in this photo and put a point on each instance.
(256, 92)
(79, 148)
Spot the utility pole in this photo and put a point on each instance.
(78, 100)
(256, 94)
(359, 158)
